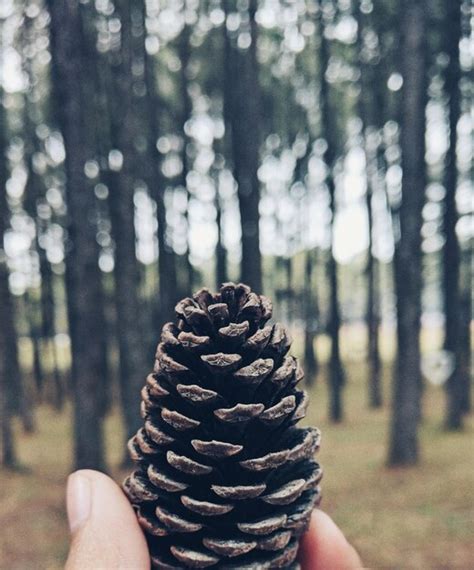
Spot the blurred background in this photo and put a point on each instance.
(318, 150)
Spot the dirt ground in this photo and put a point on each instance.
(420, 517)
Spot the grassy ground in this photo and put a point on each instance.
(414, 518)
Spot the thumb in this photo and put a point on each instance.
(104, 530)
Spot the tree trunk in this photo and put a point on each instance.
(125, 128)
(288, 268)
(32, 196)
(372, 318)
(376, 385)
(465, 370)
(7, 328)
(184, 52)
(31, 313)
(451, 250)
(243, 109)
(168, 296)
(8, 452)
(83, 278)
(48, 308)
(406, 404)
(97, 80)
(221, 253)
(8, 448)
(368, 115)
(336, 371)
(328, 131)
(310, 321)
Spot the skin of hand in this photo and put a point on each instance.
(105, 534)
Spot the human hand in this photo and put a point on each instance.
(106, 535)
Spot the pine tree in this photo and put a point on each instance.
(83, 279)
(125, 129)
(368, 117)
(7, 330)
(406, 403)
(243, 117)
(451, 250)
(328, 131)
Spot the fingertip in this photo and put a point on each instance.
(78, 500)
(91, 474)
(324, 547)
(103, 524)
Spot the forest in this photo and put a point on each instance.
(319, 151)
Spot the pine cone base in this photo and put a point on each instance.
(224, 478)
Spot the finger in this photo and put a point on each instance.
(104, 530)
(324, 547)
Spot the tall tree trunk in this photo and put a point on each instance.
(48, 309)
(8, 447)
(42, 327)
(371, 315)
(17, 397)
(451, 250)
(328, 131)
(221, 253)
(367, 114)
(7, 328)
(184, 52)
(406, 403)
(465, 369)
(83, 278)
(34, 326)
(96, 83)
(376, 386)
(310, 320)
(129, 322)
(35, 195)
(21, 398)
(243, 110)
(167, 280)
(336, 371)
(288, 265)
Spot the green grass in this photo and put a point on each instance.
(420, 517)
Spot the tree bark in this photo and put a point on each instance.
(406, 403)
(310, 321)
(43, 331)
(98, 90)
(328, 131)
(451, 250)
(48, 310)
(34, 326)
(7, 328)
(8, 456)
(221, 253)
(372, 318)
(368, 115)
(125, 127)
(168, 295)
(184, 52)
(83, 278)
(288, 269)
(243, 109)
(465, 369)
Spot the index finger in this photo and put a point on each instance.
(324, 547)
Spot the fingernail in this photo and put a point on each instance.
(78, 500)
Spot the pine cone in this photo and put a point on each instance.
(224, 478)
